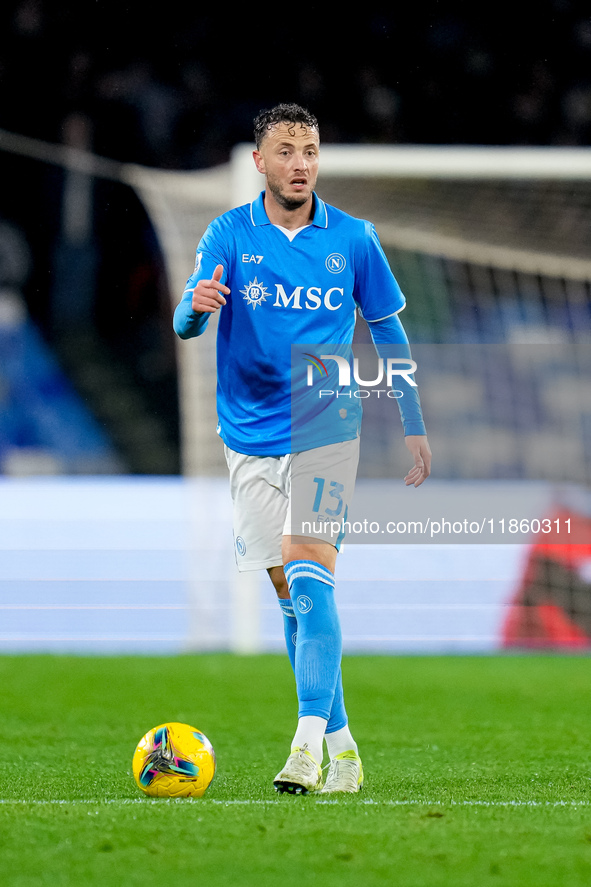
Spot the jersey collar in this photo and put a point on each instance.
(259, 216)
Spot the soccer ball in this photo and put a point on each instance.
(174, 761)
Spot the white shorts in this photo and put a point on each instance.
(304, 494)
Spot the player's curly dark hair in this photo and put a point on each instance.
(287, 112)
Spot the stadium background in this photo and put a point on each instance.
(106, 541)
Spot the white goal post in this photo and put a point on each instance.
(426, 162)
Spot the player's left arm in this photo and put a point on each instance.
(380, 299)
(390, 340)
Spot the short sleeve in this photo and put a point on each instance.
(376, 289)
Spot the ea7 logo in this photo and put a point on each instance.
(247, 258)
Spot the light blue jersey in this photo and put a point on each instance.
(285, 291)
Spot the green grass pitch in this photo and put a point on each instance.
(478, 772)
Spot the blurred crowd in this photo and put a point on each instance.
(176, 87)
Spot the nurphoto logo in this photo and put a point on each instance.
(388, 368)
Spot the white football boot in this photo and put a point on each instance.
(301, 774)
(345, 774)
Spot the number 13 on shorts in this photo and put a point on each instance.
(332, 495)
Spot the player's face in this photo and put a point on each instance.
(288, 157)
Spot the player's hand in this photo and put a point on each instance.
(418, 446)
(208, 295)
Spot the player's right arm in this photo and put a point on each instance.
(208, 295)
(202, 297)
(206, 290)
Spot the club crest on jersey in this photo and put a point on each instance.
(255, 293)
(335, 263)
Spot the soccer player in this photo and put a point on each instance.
(288, 269)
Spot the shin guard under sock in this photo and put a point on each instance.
(318, 649)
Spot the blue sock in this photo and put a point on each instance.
(290, 628)
(338, 714)
(318, 650)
